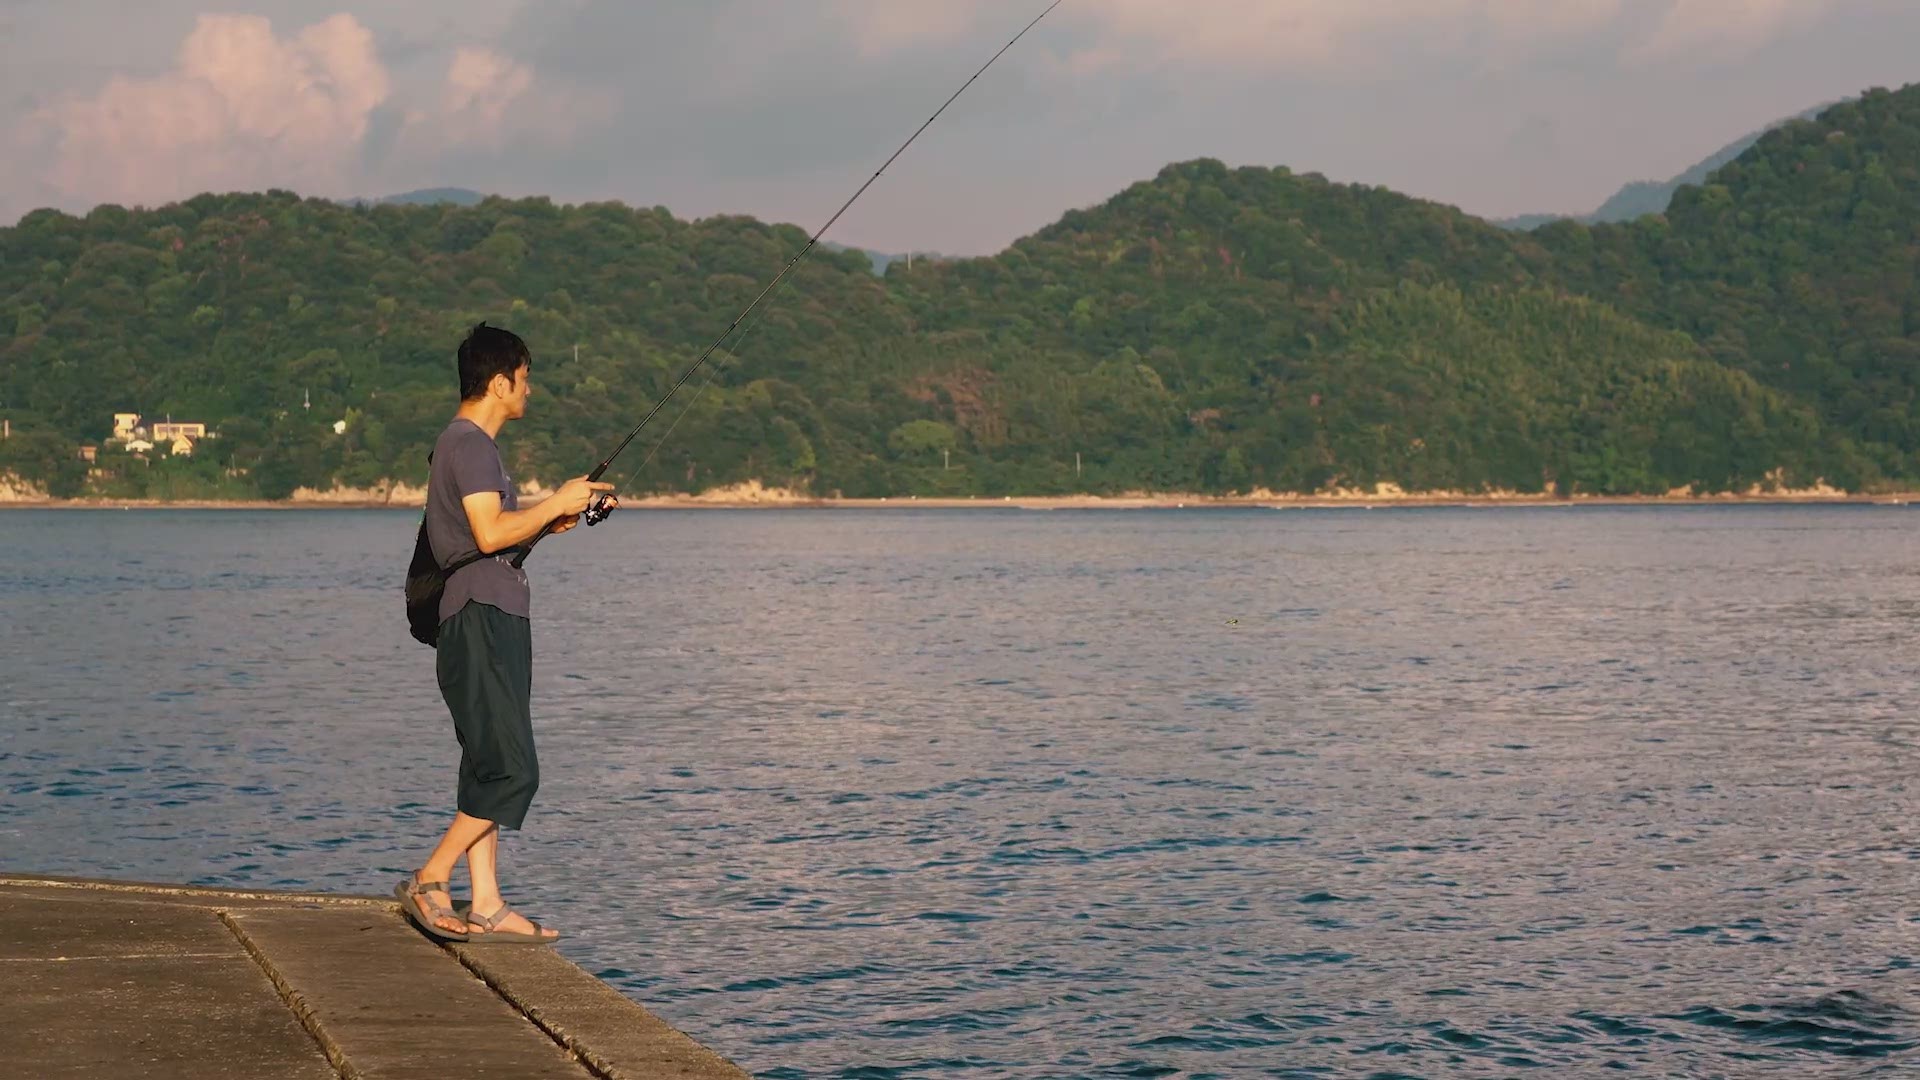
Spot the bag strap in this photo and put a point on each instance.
(459, 564)
(447, 572)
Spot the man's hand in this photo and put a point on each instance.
(575, 494)
(561, 525)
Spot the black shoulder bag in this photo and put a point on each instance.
(427, 583)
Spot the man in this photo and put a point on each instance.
(485, 651)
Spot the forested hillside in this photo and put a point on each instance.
(1211, 329)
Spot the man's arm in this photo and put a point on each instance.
(495, 529)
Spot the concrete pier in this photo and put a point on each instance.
(103, 978)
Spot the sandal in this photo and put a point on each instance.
(422, 912)
(504, 937)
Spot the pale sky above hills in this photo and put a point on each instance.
(780, 108)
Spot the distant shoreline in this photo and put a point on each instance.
(1033, 502)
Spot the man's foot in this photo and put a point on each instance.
(502, 923)
(439, 906)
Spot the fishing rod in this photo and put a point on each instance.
(598, 510)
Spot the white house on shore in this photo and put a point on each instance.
(136, 435)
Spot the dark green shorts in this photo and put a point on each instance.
(485, 664)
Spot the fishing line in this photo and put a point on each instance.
(597, 510)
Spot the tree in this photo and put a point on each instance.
(919, 438)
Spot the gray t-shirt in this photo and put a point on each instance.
(466, 461)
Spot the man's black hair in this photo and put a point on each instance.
(489, 351)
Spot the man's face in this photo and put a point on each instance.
(515, 398)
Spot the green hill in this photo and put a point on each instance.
(1295, 334)
(1798, 264)
(1210, 329)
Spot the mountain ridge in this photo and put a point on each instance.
(1638, 198)
(1208, 329)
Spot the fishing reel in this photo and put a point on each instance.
(598, 510)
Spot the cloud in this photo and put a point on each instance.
(245, 108)
(482, 83)
(242, 107)
(779, 108)
(481, 89)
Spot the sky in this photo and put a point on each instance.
(781, 108)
